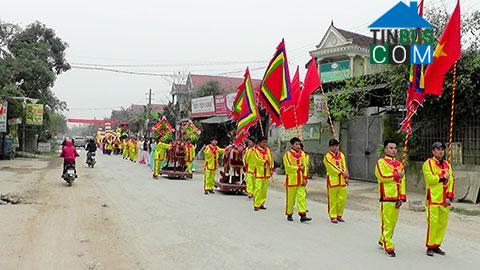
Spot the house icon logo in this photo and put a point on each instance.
(402, 36)
(401, 16)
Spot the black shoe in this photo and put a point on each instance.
(289, 218)
(206, 192)
(262, 207)
(334, 220)
(340, 219)
(380, 244)
(390, 253)
(211, 191)
(255, 208)
(430, 252)
(305, 219)
(439, 251)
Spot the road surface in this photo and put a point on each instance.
(116, 217)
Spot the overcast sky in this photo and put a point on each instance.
(204, 37)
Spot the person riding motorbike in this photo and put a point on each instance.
(91, 148)
(69, 153)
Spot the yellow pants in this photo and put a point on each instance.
(437, 219)
(189, 166)
(388, 221)
(260, 191)
(157, 166)
(299, 195)
(209, 182)
(125, 153)
(249, 181)
(336, 198)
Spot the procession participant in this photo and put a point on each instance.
(249, 166)
(133, 149)
(337, 180)
(152, 146)
(189, 155)
(439, 184)
(263, 166)
(125, 145)
(391, 188)
(212, 153)
(140, 155)
(109, 145)
(295, 164)
(160, 156)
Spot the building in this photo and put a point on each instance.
(182, 93)
(342, 54)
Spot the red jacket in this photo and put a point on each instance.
(69, 153)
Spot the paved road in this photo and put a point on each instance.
(116, 217)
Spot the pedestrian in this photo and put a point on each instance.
(125, 146)
(160, 156)
(141, 156)
(152, 147)
(263, 164)
(189, 156)
(391, 188)
(295, 164)
(212, 153)
(439, 185)
(249, 166)
(337, 180)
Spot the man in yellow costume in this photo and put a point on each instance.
(263, 166)
(295, 164)
(337, 181)
(249, 166)
(212, 153)
(125, 148)
(160, 157)
(391, 188)
(189, 155)
(439, 185)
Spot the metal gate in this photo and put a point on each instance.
(364, 137)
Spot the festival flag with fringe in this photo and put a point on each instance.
(248, 114)
(416, 89)
(274, 90)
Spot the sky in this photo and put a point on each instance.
(212, 37)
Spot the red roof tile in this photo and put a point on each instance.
(227, 83)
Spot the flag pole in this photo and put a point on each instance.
(454, 84)
(299, 133)
(332, 128)
(407, 136)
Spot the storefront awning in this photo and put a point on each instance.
(215, 120)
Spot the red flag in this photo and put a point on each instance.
(288, 112)
(311, 83)
(447, 52)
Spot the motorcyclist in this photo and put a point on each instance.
(91, 148)
(69, 153)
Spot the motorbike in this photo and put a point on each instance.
(91, 159)
(70, 175)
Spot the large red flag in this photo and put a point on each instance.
(447, 52)
(288, 112)
(311, 83)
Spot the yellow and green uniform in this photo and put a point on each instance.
(160, 157)
(263, 166)
(133, 150)
(212, 154)
(248, 163)
(391, 188)
(335, 165)
(295, 181)
(189, 156)
(125, 149)
(438, 190)
(109, 145)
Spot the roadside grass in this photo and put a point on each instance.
(466, 212)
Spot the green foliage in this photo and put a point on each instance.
(210, 88)
(30, 61)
